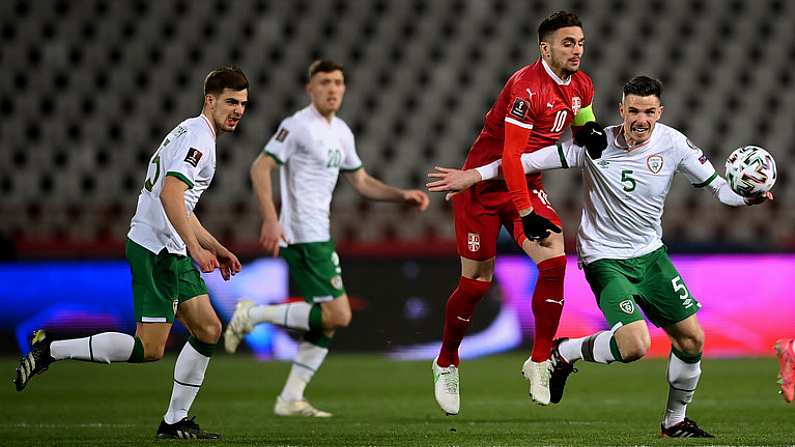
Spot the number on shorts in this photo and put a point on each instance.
(680, 288)
(542, 197)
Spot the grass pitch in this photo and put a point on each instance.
(378, 402)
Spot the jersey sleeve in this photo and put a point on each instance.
(187, 157)
(694, 163)
(519, 120)
(561, 155)
(350, 159)
(284, 142)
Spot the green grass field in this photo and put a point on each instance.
(379, 402)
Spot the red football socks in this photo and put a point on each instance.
(547, 305)
(458, 313)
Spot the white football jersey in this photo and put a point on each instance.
(311, 152)
(187, 153)
(625, 191)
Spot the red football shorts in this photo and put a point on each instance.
(482, 209)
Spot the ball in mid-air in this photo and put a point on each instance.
(750, 171)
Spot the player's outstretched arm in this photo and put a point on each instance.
(453, 181)
(228, 262)
(271, 231)
(172, 196)
(375, 189)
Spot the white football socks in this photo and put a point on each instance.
(683, 380)
(188, 378)
(306, 362)
(291, 315)
(593, 348)
(102, 348)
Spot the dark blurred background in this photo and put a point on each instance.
(90, 87)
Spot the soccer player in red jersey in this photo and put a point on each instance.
(538, 103)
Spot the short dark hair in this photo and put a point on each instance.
(643, 86)
(556, 21)
(324, 66)
(226, 76)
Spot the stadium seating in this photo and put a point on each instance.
(90, 87)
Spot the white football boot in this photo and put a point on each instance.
(238, 326)
(538, 375)
(445, 388)
(298, 408)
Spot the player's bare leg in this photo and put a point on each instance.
(198, 316)
(476, 277)
(785, 352)
(548, 301)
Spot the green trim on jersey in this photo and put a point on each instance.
(352, 169)
(181, 177)
(707, 181)
(562, 156)
(273, 156)
(584, 115)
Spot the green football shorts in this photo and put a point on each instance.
(650, 282)
(315, 267)
(160, 282)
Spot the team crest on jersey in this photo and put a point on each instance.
(193, 157)
(473, 241)
(655, 163)
(576, 104)
(627, 306)
(519, 108)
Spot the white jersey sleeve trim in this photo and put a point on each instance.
(510, 120)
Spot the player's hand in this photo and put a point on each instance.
(537, 228)
(759, 199)
(269, 236)
(205, 259)
(592, 137)
(228, 263)
(416, 198)
(452, 181)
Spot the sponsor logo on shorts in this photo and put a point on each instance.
(655, 163)
(336, 282)
(193, 157)
(627, 306)
(473, 241)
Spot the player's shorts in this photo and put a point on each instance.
(480, 211)
(160, 282)
(315, 268)
(650, 282)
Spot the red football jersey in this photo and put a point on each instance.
(534, 96)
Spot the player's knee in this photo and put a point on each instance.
(153, 351)
(634, 349)
(692, 343)
(339, 319)
(211, 332)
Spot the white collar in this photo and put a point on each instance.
(209, 124)
(318, 115)
(553, 75)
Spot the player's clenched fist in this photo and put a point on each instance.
(537, 228)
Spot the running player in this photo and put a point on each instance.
(312, 147)
(537, 104)
(164, 241)
(620, 247)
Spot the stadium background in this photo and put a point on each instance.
(90, 87)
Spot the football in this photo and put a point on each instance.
(750, 171)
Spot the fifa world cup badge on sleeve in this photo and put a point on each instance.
(193, 157)
(519, 108)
